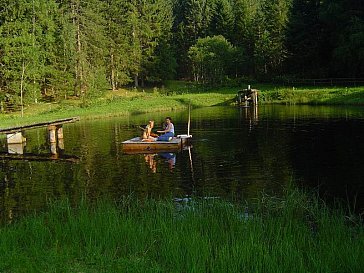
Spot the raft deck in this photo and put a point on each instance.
(136, 145)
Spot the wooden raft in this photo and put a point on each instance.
(136, 145)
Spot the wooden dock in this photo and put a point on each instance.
(16, 141)
(39, 158)
(58, 122)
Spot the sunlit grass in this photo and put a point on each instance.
(292, 234)
(176, 95)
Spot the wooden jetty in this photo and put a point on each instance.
(136, 145)
(37, 157)
(247, 97)
(16, 140)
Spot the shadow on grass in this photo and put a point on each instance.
(354, 98)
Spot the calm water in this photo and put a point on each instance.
(236, 153)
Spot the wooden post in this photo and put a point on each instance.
(52, 134)
(16, 149)
(254, 97)
(54, 148)
(60, 144)
(189, 120)
(60, 132)
(15, 138)
(60, 137)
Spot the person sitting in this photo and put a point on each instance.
(168, 132)
(147, 134)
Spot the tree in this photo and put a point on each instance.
(305, 37)
(222, 19)
(192, 21)
(27, 46)
(211, 57)
(269, 48)
(84, 39)
(149, 24)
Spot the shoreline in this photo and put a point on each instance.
(178, 96)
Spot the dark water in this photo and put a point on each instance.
(236, 153)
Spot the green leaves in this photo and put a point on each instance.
(210, 59)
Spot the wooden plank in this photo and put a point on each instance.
(135, 145)
(38, 125)
(35, 157)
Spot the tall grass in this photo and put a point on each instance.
(293, 234)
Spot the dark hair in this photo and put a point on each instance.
(169, 118)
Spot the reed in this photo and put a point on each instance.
(292, 234)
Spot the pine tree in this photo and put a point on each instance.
(222, 19)
(304, 37)
(84, 43)
(270, 31)
(149, 22)
(28, 30)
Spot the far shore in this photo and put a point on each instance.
(177, 95)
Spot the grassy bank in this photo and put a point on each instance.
(294, 234)
(175, 96)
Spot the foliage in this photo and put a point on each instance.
(58, 48)
(210, 58)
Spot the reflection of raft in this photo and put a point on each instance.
(135, 145)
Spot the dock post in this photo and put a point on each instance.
(52, 134)
(60, 132)
(15, 138)
(255, 97)
(53, 138)
(16, 149)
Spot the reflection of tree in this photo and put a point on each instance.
(233, 155)
(332, 159)
(242, 160)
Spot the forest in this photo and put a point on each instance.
(62, 48)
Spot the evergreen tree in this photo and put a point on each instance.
(222, 19)
(28, 30)
(149, 23)
(270, 31)
(85, 39)
(304, 37)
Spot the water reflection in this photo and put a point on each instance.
(168, 158)
(238, 153)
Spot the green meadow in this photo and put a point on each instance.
(176, 95)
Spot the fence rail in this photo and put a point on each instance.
(327, 81)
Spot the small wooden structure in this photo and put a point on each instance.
(136, 145)
(247, 97)
(16, 140)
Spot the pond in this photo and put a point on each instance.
(236, 153)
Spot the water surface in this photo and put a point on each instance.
(237, 153)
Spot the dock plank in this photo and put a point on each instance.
(58, 122)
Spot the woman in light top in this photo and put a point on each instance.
(168, 132)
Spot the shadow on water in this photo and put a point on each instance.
(238, 153)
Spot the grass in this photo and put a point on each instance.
(177, 95)
(292, 234)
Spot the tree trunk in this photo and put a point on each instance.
(78, 68)
(136, 80)
(113, 83)
(21, 89)
(142, 80)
